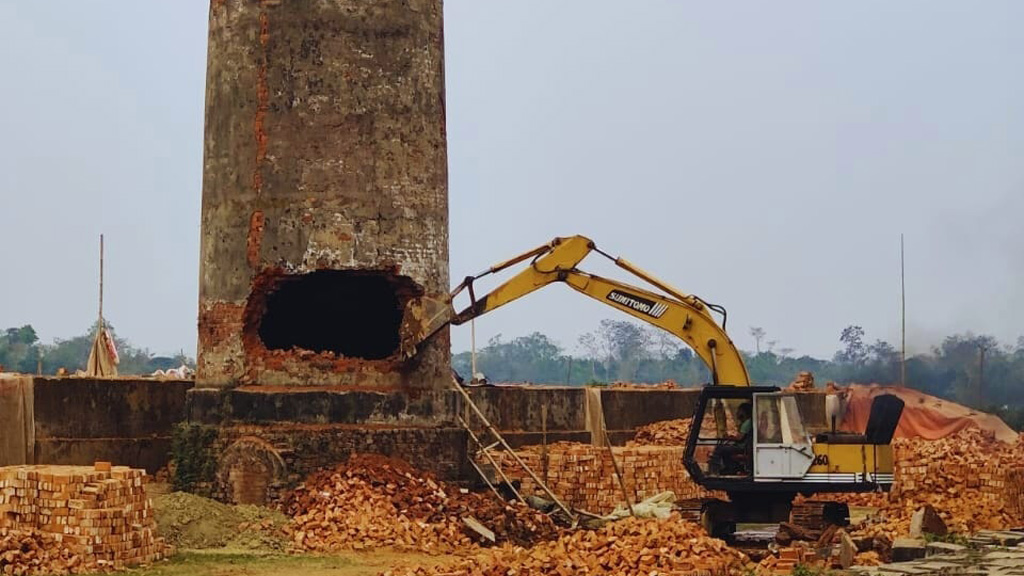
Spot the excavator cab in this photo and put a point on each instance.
(773, 451)
(729, 427)
(763, 470)
(762, 436)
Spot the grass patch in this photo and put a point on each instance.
(228, 562)
(216, 563)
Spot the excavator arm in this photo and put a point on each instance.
(684, 315)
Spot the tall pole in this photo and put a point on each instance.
(981, 376)
(472, 348)
(101, 283)
(903, 319)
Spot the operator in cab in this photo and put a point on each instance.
(732, 457)
(744, 414)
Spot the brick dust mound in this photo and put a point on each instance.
(372, 501)
(629, 547)
(193, 522)
(74, 519)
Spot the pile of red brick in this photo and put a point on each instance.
(807, 555)
(977, 479)
(583, 476)
(804, 381)
(373, 502)
(974, 482)
(61, 519)
(788, 558)
(629, 547)
(33, 552)
(666, 385)
(663, 433)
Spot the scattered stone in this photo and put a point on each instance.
(475, 525)
(847, 550)
(927, 521)
(907, 549)
(944, 548)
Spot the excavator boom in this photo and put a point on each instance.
(774, 459)
(686, 316)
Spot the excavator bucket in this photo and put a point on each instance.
(424, 316)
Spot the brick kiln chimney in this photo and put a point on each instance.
(325, 200)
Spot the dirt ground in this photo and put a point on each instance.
(221, 563)
(221, 540)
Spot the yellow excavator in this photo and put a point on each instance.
(747, 441)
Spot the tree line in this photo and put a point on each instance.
(975, 370)
(22, 351)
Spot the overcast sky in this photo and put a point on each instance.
(765, 156)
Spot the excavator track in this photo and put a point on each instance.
(717, 517)
(818, 515)
(808, 520)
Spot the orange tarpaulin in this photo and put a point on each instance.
(924, 416)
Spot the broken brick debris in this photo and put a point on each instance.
(790, 557)
(666, 385)
(629, 547)
(373, 501)
(663, 433)
(973, 481)
(804, 381)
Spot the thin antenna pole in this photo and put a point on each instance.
(981, 376)
(903, 318)
(472, 346)
(101, 282)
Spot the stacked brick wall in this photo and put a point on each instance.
(92, 518)
(583, 476)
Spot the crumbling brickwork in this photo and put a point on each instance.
(265, 460)
(325, 207)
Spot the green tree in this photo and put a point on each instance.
(19, 349)
(854, 351)
(758, 334)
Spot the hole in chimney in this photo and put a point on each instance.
(349, 313)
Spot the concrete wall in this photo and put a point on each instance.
(125, 421)
(631, 409)
(324, 405)
(79, 421)
(17, 431)
(519, 408)
(325, 151)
